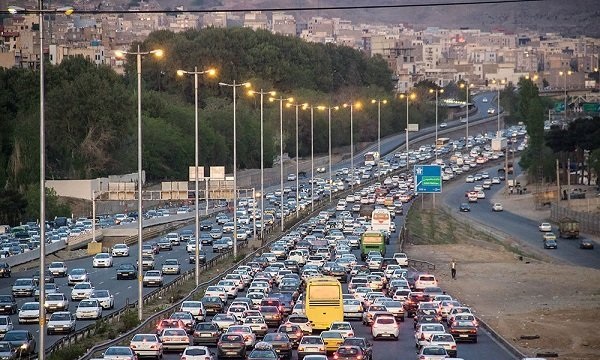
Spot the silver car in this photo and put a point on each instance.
(353, 309)
(61, 321)
(171, 266)
(119, 353)
(5, 325)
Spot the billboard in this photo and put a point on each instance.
(192, 176)
(413, 127)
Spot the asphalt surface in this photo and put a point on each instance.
(519, 228)
(486, 347)
(125, 291)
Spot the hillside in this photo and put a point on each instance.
(575, 17)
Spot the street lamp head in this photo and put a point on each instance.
(305, 106)
(120, 54)
(290, 100)
(413, 96)
(211, 72)
(321, 107)
(441, 91)
(251, 92)
(15, 9)
(246, 85)
(357, 105)
(336, 108)
(273, 93)
(384, 101)
(181, 72)
(431, 91)
(157, 53)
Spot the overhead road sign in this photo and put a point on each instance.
(428, 179)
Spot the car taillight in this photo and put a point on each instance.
(133, 346)
(322, 348)
(454, 323)
(422, 357)
(299, 333)
(183, 357)
(300, 348)
(453, 347)
(335, 356)
(359, 357)
(422, 336)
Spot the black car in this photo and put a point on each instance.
(339, 273)
(206, 239)
(206, 333)
(464, 207)
(280, 342)
(201, 257)
(231, 345)
(8, 304)
(127, 271)
(22, 340)
(212, 304)
(362, 343)
(48, 278)
(4, 269)
(586, 244)
(205, 225)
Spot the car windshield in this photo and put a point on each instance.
(15, 336)
(276, 337)
(312, 340)
(60, 317)
(5, 298)
(195, 352)
(100, 294)
(22, 282)
(3, 320)
(121, 350)
(341, 327)
(5, 347)
(88, 303)
(348, 351)
(174, 332)
(78, 272)
(145, 337)
(434, 351)
(262, 354)
(30, 306)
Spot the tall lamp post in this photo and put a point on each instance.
(312, 155)
(352, 105)
(407, 96)
(281, 99)
(120, 54)
(262, 157)
(564, 74)
(67, 10)
(296, 105)
(437, 91)
(195, 72)
(467, 86)
(329, 108)
(378, 102)
(234, 86)
(498, 83)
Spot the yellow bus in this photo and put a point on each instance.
(324, 302)
(441, 142)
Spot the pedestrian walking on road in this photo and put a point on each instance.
(453, 269)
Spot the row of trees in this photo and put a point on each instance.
(91, 113)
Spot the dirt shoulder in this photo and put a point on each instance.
(559, 303)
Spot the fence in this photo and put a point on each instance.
(589, 222)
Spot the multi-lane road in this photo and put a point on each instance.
(518, 227)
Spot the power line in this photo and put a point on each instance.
(310, 8)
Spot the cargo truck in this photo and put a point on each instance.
(568, 228)
(372, 241)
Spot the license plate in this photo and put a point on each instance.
(231, 353)
(463, 336)
(204, 335)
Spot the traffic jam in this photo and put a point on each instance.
(331, 288)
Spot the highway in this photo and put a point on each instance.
(519, 228)
(404, 348)
(126, 290)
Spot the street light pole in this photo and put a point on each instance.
(210, 72)
(138, 54)
(262, 158)
(281, 99)
(296, 105)
(351, 106)
(235, 86)
(379, 102)
(407, 96)
(564, 74)
(467, 86)
(67, 10)
(437, 91)
(329, 108)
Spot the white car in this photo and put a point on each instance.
(343, 327)
(58, 268)
(432, 352)
(153, 278)
(196, 308)
(147, 345)
(545, 227)
(88, 309)
(102, 260)
(491, 111)
(81, 291)
(61, 321)
(484, 100)
(385, 326)
(401, 259)
(497, 207)
(443, 125)
(425, 331)
(470, 179)
(444, 340)
(217, 291)
(291, 177)
(171, 266)
(29, 312)
(106, 299)
(197, 353)
(120, 250)
(5, 325)
(56, 302)
(77, 276)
